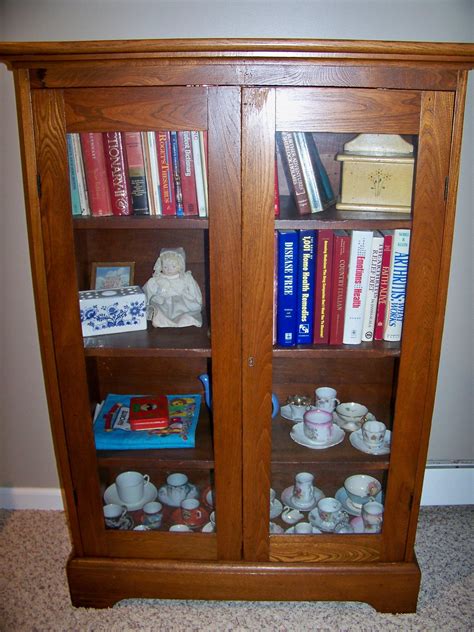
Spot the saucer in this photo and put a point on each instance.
(287, 498)
(285, 411)
(111, 496)
(351, 426)
(316, 521)
(358, 442)
(177, 518)
(275, 508)
(208, 528)
(291, 530)
(348, 505)
(163, 495)
(298, 436)
(275, 528)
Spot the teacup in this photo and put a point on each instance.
(153, 515)
(326, 399)
(303, 490)
(373, 433)
(303, 528)
(131, 486)
(318, 425)
(361, 488)
(297, 411)
(352, 413)
(177, 488)
(372, 515)
(343, 527)
(191, 512)
(329, 511)
(114, 515)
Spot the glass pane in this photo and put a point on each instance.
(342, 229)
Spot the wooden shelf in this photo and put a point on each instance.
(152, 342)
(145, 222)
(377, 349)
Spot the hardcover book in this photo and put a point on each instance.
(197, 142)
(165, 166)
(188, 177)
(305, 292)
(309, 175)
(73, 182)
(149, 413)
(287, 287)
(93, 154)
(361, 243)
(338, 288)
(136, 173)
(176, 173)
(383, 286)
(112, 430)
(80, 174)
(397, 285)
(293, 172)
(152, 172)
(117, 173)
(375, 266)
(322, 296)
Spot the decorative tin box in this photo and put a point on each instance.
(377, 174)
(112, 311)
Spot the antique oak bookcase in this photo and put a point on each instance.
(241, 92)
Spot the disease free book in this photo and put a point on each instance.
(287, 287)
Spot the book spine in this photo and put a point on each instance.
(201, 186)
(375, 267)
(322, 296)
(322, 178)
(168, 201)
(383, 286)
(309, 177)
(81, 174)
(276, 191)
(397, 286)
(136, 173)
(154, 193)
(275, 284)
(73, 181)
(117, 173)
(188, 178)
(340, 267)
(305, 290)
(204, 161)
(96, 173)
(176, 174)
(361, 242)
(293, 171)
(287, 287)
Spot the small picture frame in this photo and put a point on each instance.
(112, 274)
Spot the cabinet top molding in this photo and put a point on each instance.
(457, 54)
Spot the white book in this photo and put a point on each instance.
(375, 268)
(200, 174)
(357, 283)
(397, 285)
(152, 155)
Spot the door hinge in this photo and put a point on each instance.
(446, 187)
(38, 184)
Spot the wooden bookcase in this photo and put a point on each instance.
(241, 92)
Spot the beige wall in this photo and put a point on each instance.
(26, 457)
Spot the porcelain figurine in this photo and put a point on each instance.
(174, 298)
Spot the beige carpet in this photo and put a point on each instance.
(34, 546)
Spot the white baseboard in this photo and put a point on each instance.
(444, 484)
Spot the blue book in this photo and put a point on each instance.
(176, 174)
(306, 281)
(287, 287)
(73, 184)
(112, 428)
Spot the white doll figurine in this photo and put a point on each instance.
(173, 296)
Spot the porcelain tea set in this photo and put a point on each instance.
(356, 507)
(185, 508)
(323, 424)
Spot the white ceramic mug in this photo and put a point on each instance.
(177, 487)
(373, 433)
(303, 490)
(326, 399)
(131, 486)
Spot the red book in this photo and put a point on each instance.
(95, 168)
(188, 178)
(149, 413)
(384, 280)
(117, 171)
(322, 296)
(165, 167)
(340, 266)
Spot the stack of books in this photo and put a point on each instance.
(138, 173)
(338, 287)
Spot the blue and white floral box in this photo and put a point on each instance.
(112, 311)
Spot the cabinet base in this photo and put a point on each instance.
(101, 582)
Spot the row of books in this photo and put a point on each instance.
(306, 176)
(339, 287)
(138, 173)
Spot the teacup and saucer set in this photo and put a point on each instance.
(317, 430)
(350, 416)
(191, 513)
(358, 490)
(327, 515)
(177, 489)
(372, 438)
(303, 495)
(117, 517)
(131, 489)
(295, 407)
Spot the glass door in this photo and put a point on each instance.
(148, 225)
(343, 311)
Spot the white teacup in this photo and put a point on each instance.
(153, 515)
(373, 433)
(131, 486)
(297, 411)
(372, 515)
(326, 399)
(113, 515)
(318, 425)
(329, 511)
(352, 412)
(177, 487)
(303, 528)
(361, 488)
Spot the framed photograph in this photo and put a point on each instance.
(110, 275)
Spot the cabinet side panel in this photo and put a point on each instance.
(225, 264)
(426, 247)
(257, 265)
(56, 221)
